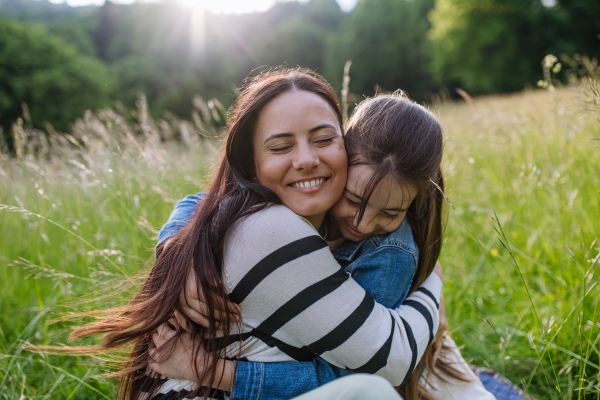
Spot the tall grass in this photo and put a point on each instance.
(81, 213)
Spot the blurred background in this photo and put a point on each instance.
(106, 110)
(62, 58)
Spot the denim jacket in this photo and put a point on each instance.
(383, 265)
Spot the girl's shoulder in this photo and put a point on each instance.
(401, 238)
(400, 241)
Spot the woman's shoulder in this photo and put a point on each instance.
(272, 236)
(275, 224)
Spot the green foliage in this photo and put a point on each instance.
(42, 71)
(98, 207)
(491, 46)
(387, 43)
(300, 38)
(485, 46)
(172, 52)
(580, 26)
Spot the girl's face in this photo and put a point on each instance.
(386, 209)
(299, 153)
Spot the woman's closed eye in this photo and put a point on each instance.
(325, 140)
(281, 148)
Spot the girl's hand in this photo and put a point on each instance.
(194, 306)
(179, 363)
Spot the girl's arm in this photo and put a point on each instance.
(181, 215)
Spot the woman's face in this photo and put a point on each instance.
(299, 153)
(386, 209)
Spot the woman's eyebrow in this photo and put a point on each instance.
(319, 127)
(278, 135)
(289, 134)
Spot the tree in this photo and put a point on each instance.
(580, 25)
(300, 36)
(488, 46)
(387, 43)
(51, 77)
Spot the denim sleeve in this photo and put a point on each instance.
(282, 380)
(180, 216)
(386, 274)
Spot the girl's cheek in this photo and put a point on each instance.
(394, 225)
(340, 209)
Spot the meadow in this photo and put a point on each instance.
(80, 214)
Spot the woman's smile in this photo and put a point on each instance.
(308, 186)
(299, 153)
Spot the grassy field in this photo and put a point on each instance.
(83, 214)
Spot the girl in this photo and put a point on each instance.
(391, 208)
(255, 240)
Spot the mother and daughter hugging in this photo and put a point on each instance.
(308, 269)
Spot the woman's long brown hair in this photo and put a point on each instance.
(233, 194)
(395, 136)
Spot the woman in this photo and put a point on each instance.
(284, 146)
(394, 147)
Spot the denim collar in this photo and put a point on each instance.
(348, 249)
(401, 237)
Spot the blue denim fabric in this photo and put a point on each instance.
(499, 387)
(180, 216)
(383, 265)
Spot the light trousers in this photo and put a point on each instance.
(452, 389)
(366, 387)
(354, 387)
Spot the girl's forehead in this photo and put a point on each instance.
(388, 193)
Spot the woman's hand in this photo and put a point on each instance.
(179, 364)
(194, 306)
(439, 337)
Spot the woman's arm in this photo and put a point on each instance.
(272, 375)
(295, 297)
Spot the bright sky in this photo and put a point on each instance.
(217, 6)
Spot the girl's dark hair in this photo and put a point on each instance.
(396, 136)
(199, 247)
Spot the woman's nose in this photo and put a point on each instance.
(305, 158)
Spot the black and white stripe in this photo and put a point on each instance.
(297, 302)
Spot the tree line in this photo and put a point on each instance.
(57, 61)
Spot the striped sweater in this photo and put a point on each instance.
(297, 302)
